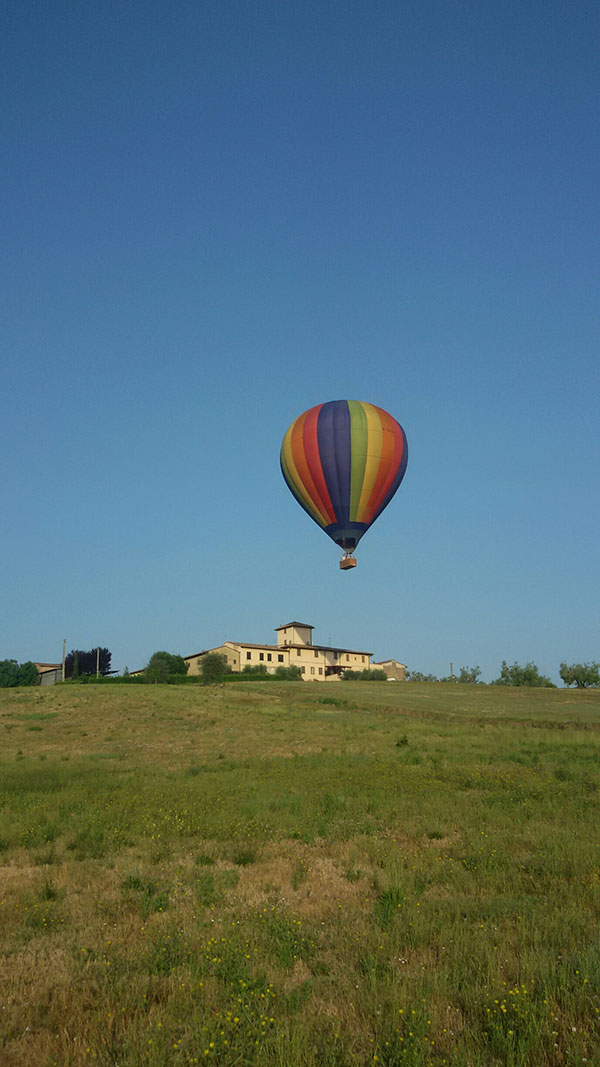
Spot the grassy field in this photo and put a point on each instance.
(299, 875)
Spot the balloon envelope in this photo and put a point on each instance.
(343, 461)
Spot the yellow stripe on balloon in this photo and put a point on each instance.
(359, 439)
(374, 447)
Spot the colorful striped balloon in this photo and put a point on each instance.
(343, 461)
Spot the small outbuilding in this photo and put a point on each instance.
(395, 670)
(49, 672)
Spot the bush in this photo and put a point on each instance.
(13, 673)
(364, 676)
(115, 679)
(259, 673)
(288, 674)
(185, 679)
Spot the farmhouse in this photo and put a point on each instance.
(294, 648)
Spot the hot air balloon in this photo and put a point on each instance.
(343, 461)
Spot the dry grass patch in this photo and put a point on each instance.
(438, 840)
(310, 879)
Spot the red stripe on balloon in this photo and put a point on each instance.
(303, 467)
(313, 455)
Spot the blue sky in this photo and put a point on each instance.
(219, 215)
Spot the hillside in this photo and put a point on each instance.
(304, 875)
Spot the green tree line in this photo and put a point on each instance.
(580, 675)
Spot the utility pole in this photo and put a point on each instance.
(452, 670)
(98, 662)
(63, 657)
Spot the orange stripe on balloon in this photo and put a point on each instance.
(313, 456)
(395, 463)
(304, 470)
(290, 474)
(385, 466)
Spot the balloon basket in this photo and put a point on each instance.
(347, 562)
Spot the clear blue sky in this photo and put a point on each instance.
(217, 215)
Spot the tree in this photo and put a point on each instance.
(9, 670)
(162, 664)
(13, 673)
(582, 675)
(214, 668)
(469, 675)
(28, 674)
(80, 662)
(416, 676)
(518, 675)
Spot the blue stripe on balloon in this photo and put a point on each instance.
(333, 432)
(347, 535)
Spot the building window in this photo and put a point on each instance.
(261, 655)
(312, 670)
(268, 657)
(363, 659)
(347, 658)
(280, 659)
(303, 669)
(320, 670)
(316, 652)
(298, 651)
(248, 655)
(335, 655)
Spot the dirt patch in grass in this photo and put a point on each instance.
(442, 841)
(308, 879)
(299, 975)
(38, 984)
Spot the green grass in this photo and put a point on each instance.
(299, 876)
